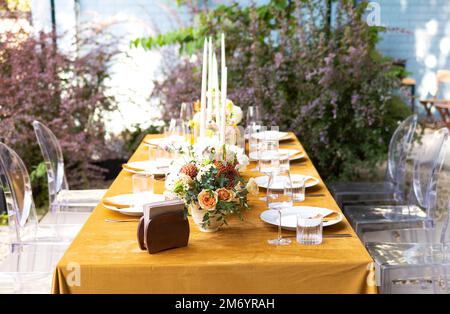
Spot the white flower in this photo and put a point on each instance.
(238, 153)
(186, 181)
(169, 195)
(171, 179)
(252, 187)
(203, 170)
(243, 161)
(234, 113)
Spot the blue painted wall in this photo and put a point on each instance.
(426, 45)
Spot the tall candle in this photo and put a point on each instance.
(210, 81)
(203, 95)
(216, 89)
(223, 107)
(222, 46)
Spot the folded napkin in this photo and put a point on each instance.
(109, 202)
(126, 166)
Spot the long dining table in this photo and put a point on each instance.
(105, 256)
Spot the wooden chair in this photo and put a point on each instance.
(442, 105)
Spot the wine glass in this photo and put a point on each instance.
(279, 198)
(176, 131)
(186, 112)
(253, 115)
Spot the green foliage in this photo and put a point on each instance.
(38, 177)
(3, 219)
(133, 137)
(326, 83)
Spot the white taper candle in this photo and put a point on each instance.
(223, 93)
(216, 89)
(210, 81)
(222, 46)
(203, 94)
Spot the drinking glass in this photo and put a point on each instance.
(268, 152)
(143, 186)
(309, 229)
(253, 115)
(186, 115)
(176, 131)
(279, 198)
(298, 188)
(275, 128)
(186, 112)
(253, 141)
(284, 163)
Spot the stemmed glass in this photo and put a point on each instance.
(253, 115)
(176, 131)
(186, 115)
(279, 198)
(186, 112)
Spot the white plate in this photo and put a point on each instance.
(262, 181)
(281, 136)
(158, 167)
(175, 142)
(131, 199)
(294, 154)
(289, 216)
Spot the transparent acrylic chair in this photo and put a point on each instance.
(61, 198)
(415, 267)
(34, 248)
(413, 214)
(29, 267)
(392, 187)
(435, 198)
(22, 217)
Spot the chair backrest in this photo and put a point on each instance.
(399, 147)
(428, 164)
(442, 85)
(438, 192)
(53, 158)
(15, 182)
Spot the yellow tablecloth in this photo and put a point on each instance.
(105, 257)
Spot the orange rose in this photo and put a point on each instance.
(225, 195)
(207, 200)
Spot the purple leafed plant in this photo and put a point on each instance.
(64, 91)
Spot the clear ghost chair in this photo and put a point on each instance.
(437, 192)
(22, 216)
(61, 198)
(392, 186)
(34, 248)
(29, 267)
(365, 219)
(415, 267)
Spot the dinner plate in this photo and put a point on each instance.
(281, 136)
(156, 167)
(289, 216)
(175, 142)
(130, 200)
(294, 154)
(262, 181)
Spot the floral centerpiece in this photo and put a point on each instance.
(233, 116)
(207, 179)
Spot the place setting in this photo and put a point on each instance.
(131, 204)
(283, 191)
